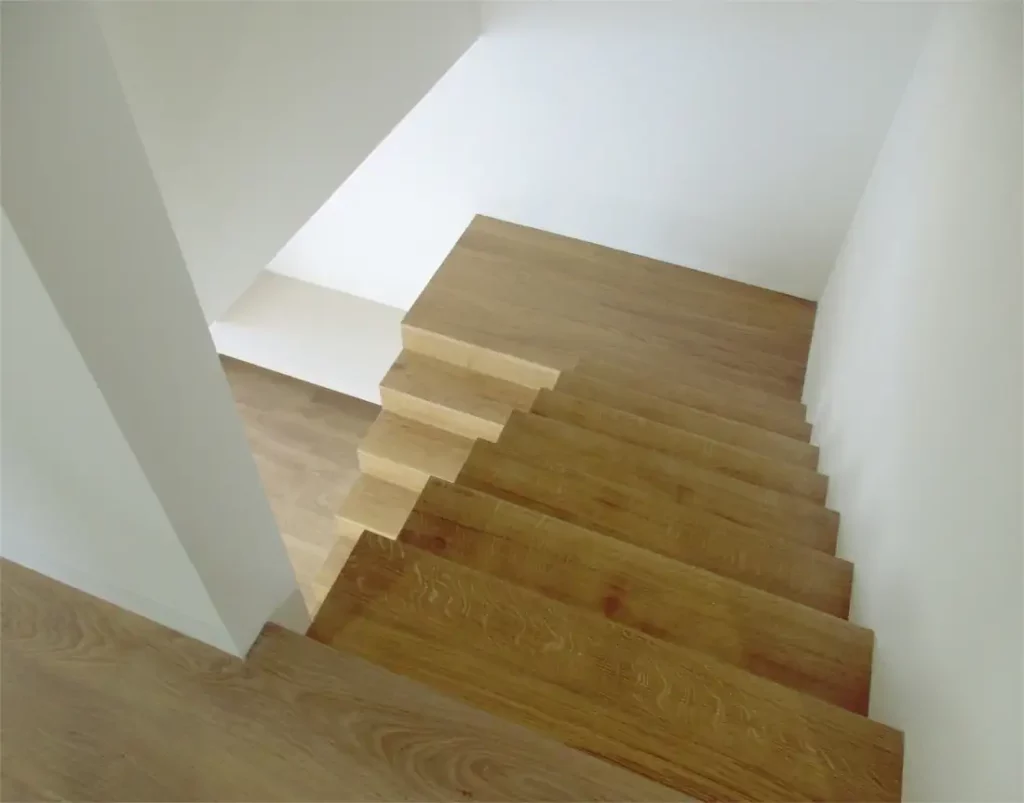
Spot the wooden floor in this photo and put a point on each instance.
(102, 705)
(591, 508)
(304, 440)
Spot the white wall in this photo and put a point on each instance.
(75, 504)
(252, 114)
(331, 339)
(915, 392)
(78, 190)
(734, 138)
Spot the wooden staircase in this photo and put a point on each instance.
(590, 507)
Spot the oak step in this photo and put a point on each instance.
(405, 452)
(545, 442)
(705, 393)
(451, 397)
(680, 717)
(693, 536)
(630, 276)
(377, 505)
(710, 425)
(730, 460)
(483, 355)
(531, 334)
(769, 636)
(579, 303)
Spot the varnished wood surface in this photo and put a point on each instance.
(552, 300)
(102, 705)
(675, 383)
(545, 442)
(700, 725)
(764, 634)
(777, 565)
(732, 461)
(451, 397)
(376, 505)
(406, 452)
(622, 396)
(303, 439)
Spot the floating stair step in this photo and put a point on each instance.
(486, 354)
(695, 389)
(451, 397)
(405, 452)
(678, 716)
(691, 535)
(377, 505)
(717, 427)
(545, 442)
(729, 460)
(764, 634)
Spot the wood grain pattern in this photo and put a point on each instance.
(303, 439)
(528, 332)
(406, 452)
(681, 288)
(481, 355)
(766, 635)
(623, 396)
(450, 397)
(731, 461)
(684, 533)
(694, 389)
(100, 704)
(680, 717)
(379, 506)
(545, 442)
(584, 300)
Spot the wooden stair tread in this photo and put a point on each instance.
(767, 635)
(702, 392)
(636, 315)
(732, 461)
(711, 425)
(629, 274)
(680, 717)
(406, 452)
(451, 397)
(526, 332)
(484, 355)
(377, 505)
(546, 442)
(693, 536)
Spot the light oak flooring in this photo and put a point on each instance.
(303, 438)
(102, 705)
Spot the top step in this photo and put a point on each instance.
(547, 301)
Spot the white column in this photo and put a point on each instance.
(81, 196)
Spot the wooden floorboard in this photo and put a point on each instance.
(102, 705)
(304, 440)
